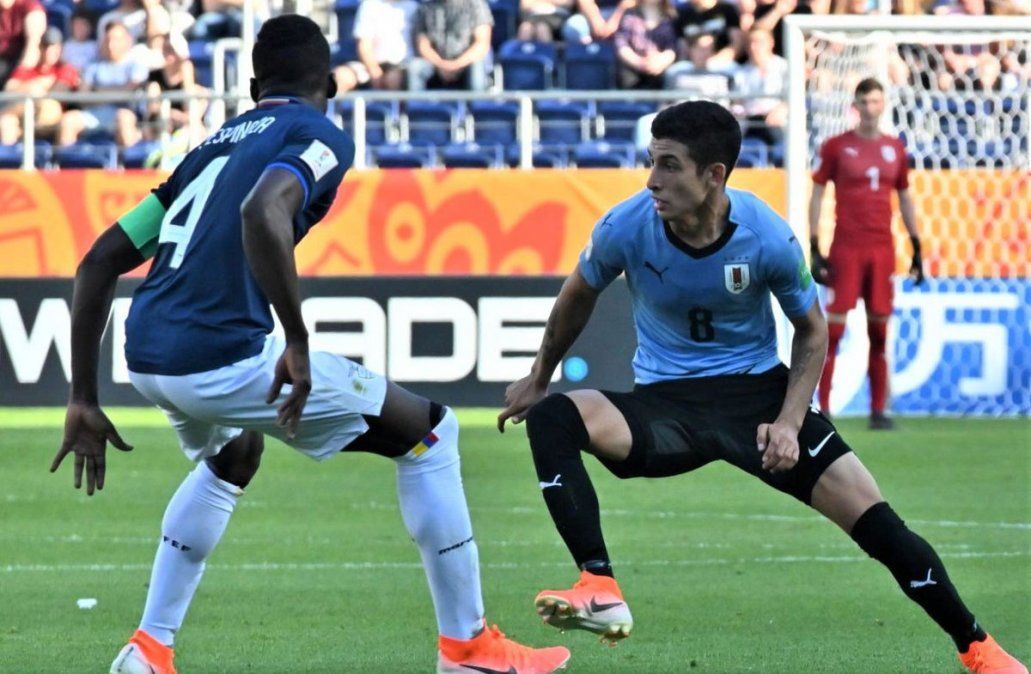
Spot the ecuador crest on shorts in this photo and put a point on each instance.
(735, 277)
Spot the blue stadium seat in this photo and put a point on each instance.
(60, 16)
(402, 155)
(505, 13)
(200, 54)
(471, 155)
(87, 155)
(563, 121)
(432, 122)
(754, 154)
(589, 67)
(543, 156)
(621, 118)
(345, 11)
(380, 119)
(343, 51)
(527, 66)
(136, 155)
(494, 121)
(603, 154)
(97, 137)
(11, 155)
(99, 7)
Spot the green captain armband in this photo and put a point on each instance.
(143, 225)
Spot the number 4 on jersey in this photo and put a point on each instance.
(181, 219)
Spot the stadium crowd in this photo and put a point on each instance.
(730, 50)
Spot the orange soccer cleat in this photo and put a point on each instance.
(988, 657)
(490, 652)
(144, 655)
(594, 604)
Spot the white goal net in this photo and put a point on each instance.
(957, 91)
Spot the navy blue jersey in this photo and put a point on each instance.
(701, 312)
(200, 307)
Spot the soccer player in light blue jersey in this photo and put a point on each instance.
(221, 231)
(701, 263)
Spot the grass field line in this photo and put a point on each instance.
(669, 514)
(357, 566)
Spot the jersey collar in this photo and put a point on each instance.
(275, 101)
(697, 253)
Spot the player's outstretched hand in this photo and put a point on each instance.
(291, 368)
(820, 268)
(779, 444)
(87, 430)
(520, 396)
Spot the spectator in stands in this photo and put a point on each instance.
(720, 19)
(763, 81)
(175, 73)
(694, 76)
(22, 23)
(81, 48)
(542, 20)
(119, 71)
(595, 20)
(218, 19)
(144, 19)
(769, 16)
(452, 38)
(50, 75)
(646, 44)
(383, 29)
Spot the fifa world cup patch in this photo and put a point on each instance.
(319, 158)
(424, 444)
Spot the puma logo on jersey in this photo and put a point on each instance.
(649, 266)
(915, 584)
(813, 451)
(553, 483)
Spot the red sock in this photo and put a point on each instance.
(834, 332)
(878, 331)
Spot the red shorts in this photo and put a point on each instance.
(861, 272)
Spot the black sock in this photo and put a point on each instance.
(882, 534)
(557, 436)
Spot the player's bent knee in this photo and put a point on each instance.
(845, 491)
(556, 415)
(239, 460)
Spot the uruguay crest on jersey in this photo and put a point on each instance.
(735, 277)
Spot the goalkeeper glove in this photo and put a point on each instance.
(916, 270)
(818, 264)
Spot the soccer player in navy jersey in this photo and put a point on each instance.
(701, 261)
(221, 231)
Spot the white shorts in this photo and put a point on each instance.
(208, 409)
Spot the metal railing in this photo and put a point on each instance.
(222, 106)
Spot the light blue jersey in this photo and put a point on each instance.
(701, 312)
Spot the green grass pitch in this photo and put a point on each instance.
(316, 572)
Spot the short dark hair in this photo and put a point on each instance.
(711, 134)
(291, 55)
(868, 85)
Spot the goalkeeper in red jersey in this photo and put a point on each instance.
(865, 166)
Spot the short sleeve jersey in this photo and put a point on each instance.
(200, 307)
(701, 312)
(864, 172)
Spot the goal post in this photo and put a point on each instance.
(957, 92)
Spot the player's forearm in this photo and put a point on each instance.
(815, 206)
(572, 310)
(808, 351)
(269, 246)
(91, 304)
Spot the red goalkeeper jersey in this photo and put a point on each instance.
(864, 172)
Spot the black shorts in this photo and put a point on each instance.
(678, 426)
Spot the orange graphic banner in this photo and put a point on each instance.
(419, 222)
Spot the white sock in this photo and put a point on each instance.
(194, 522)
(429, 488)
